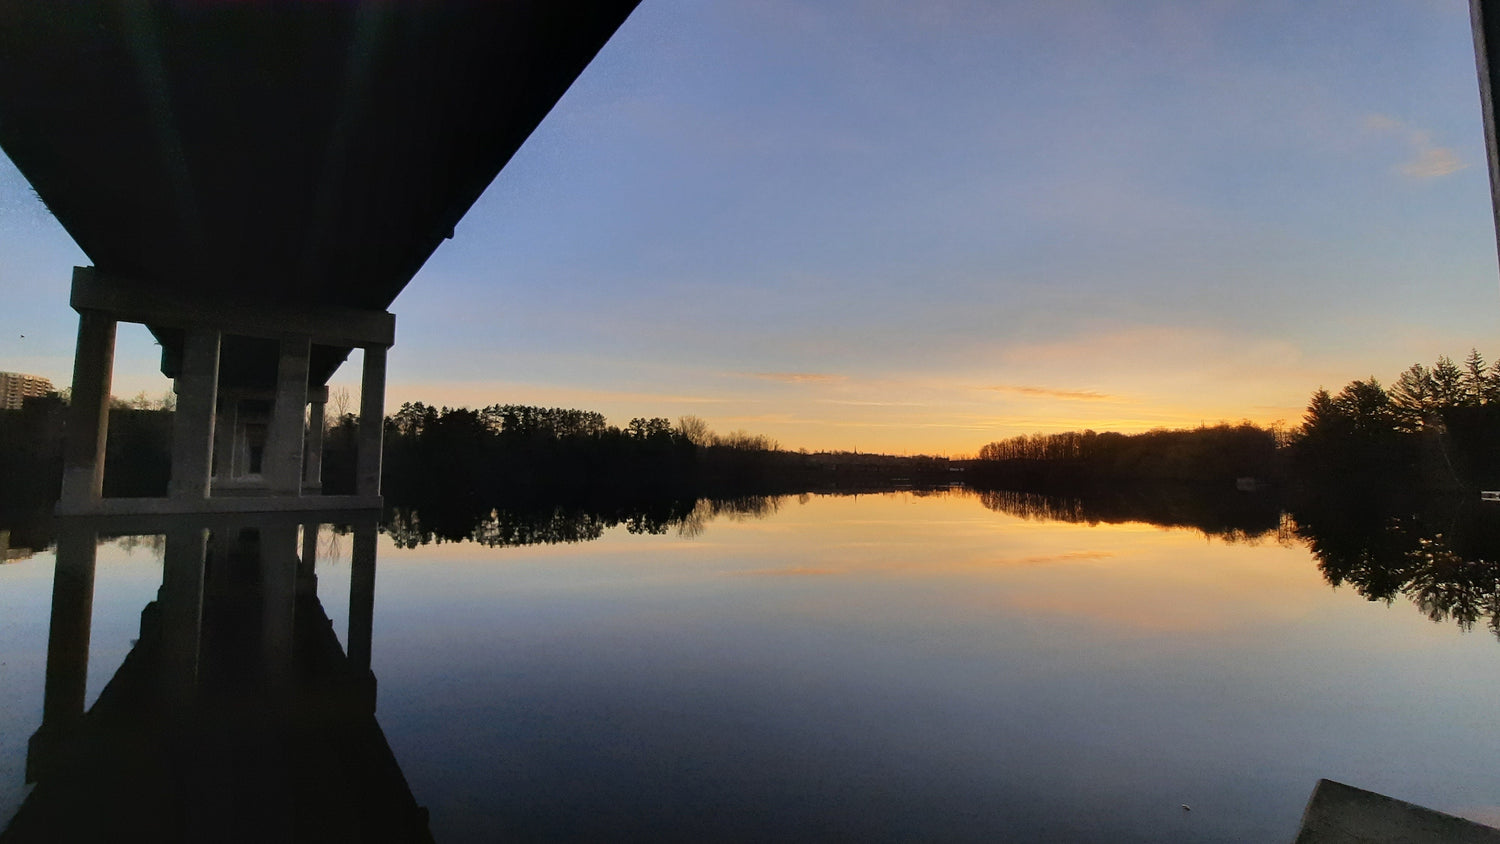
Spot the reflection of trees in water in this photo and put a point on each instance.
(1034, 506)
(1235, 519)
(1444, 560)
(508, 526)
(155, 544)
(1445, 585)
(739, 509)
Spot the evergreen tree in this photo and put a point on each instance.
(1412, 398)
(1447, 383)
(1475, 379)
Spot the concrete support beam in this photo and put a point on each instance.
(371, 422)
(132, 301)
(197, 389)
(226, 451)
(67, 646)
(88, 416)
(312, 461)
(282, 464)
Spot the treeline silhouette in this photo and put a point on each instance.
(1436, 426)
(1216, 455)
(492, 453)
(138, 456)
(508, 454)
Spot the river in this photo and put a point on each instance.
(896, 666)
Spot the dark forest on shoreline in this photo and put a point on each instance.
(1380, 484)
(1428, 437)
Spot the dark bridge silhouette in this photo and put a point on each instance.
(256, 182)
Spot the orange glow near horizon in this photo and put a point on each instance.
(951, 421)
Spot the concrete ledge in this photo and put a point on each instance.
(130, 301)
(205, 506)
(1343, 814)
(143, 523)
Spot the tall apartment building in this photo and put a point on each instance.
(16, 388)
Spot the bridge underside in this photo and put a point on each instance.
(256, 182)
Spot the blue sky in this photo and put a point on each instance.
(921, 226)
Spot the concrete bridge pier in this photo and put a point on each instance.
(312, 458)
(250, 379)
(88, 415)
(197, 389)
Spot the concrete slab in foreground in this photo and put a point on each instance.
(1343, 814)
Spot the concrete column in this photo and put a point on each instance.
(371, 422)
(67, 646)
(225, 450)
(181, 602)
(217, 573)
(197, 388)
(282, 464)
(88, 416)
(312, 462)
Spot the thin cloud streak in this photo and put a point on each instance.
(798, 377)
(1047, 392)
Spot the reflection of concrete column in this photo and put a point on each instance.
(181, 603)
(362, 606)
(282, 465)
(193, 423)
(278, 578)
(371, 421)
(216, 574)
(88, 416)
(312, 462)
(307, 581)
(307, 577)
(67, 646)
(225, 425)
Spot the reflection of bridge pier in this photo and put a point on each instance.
(236, 710)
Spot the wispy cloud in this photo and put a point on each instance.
(798, 377)
(1047, 392)
(1432, 162)
(1428, 159)
(871, 403)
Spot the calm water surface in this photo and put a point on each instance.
(882, 667)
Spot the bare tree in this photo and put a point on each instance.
(695, 430)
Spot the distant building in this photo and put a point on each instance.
(15, 388)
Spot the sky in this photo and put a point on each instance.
(917, 227)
